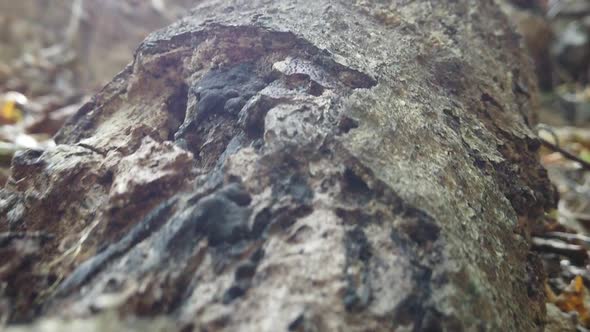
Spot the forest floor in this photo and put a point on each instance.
(557, 34)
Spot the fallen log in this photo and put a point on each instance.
(301, 166)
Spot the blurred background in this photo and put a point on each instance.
(54, 54)
(556, 33)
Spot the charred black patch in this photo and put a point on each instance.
(221, 217)
(295, 186)
(211, 119)
(533, 144)
(225, 221)
(176, 105)
(357, 188)
(237, 194)
(257, 256)
(245, 271)
(242, 281)
(357, 245)
(479, 162)
(261, 221)
(140, 231)
(233, 293)
(286, 216)
(358, 252)
(413, 313)
(221, 92)
(356, 217)
(355, 183)
(251, 117)
(243, 278)
(315, 89)
(106, 179)
(415, 309)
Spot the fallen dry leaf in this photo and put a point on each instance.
(573, 299)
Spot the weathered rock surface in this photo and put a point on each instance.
(293, 165)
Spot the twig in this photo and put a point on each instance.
(569, 237)
(77, 12)
(576, 253)
(566, 154)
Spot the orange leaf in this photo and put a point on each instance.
(9, 113)
(572, 299)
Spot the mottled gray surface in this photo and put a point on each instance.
(381, 176)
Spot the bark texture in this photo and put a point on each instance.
(293, 165)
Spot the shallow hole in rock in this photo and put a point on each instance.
(346, 124)
(233, 293)
(176, 105)
(315, 89)
(257, 256)
(420, 227)
(354, 184)
(261, 222)
(487, 98)
(245, 271)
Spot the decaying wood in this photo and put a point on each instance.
(293, 165)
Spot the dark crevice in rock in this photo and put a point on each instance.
(415, 310)
(417, 236)
(452, 120)
(92, 149)
(216, 217)
(354, 184)
(220, 92)
(420, 227)
(346, 124)
(242, 281)
(358, 252)
(294, 186)
(488, 99)
(251, 118)
(261, 222)
(140, 231)
(176, 105)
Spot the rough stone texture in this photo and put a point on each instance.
(293, 165)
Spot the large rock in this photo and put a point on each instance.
(303, 166)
